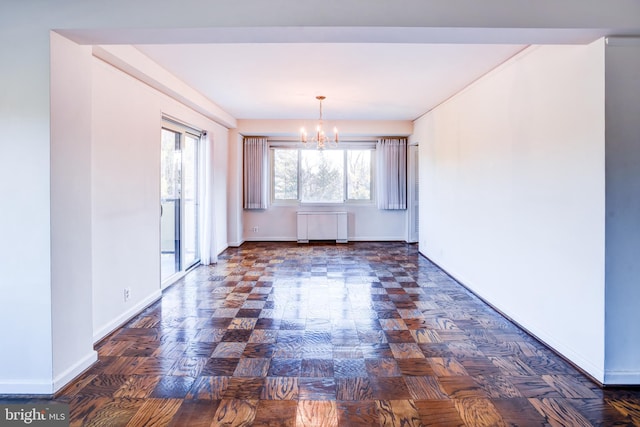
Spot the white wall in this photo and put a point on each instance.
(220, 164)
(25, 263)
(623, 210)
(349, 129)
(234, 189)
(127, 118)
(512, 194)
(71, 233)
(365, 221)
(126, 195)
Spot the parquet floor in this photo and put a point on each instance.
(363, 334)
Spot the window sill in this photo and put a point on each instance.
(352, 203)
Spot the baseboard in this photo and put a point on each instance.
(74, 371)
(235, 244)
(376, 239)
(621, 378)
(126, 316)
(575, 359)
(26, 388)
(585, 367)
(350, 239)
(271, 239)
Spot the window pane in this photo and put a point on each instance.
(359, 174)
(189, 201)
(322, 176)
(285, 174)
(170, 187)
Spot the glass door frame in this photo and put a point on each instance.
(184, 132)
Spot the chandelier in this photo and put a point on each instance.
(319, 138)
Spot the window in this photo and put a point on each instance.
(322, 176)
(359, 174)
(285, 174)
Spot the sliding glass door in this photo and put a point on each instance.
(190, 244)
(179, 201)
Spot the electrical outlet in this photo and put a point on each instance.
(127, 294)
(255, 229)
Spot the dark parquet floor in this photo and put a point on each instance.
(362, 334)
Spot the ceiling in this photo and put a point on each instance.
(372, 59)
(362, 81)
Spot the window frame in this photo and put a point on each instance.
(372, 176)
(272, 179)
(369, 146)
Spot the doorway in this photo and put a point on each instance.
(179, 242)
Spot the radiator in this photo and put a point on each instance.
(322, 226)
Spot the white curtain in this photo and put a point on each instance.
(255, 172)
(208, 252)
(391, 154)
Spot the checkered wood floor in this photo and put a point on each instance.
(323, 335)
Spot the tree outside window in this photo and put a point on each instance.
(285, 174)
(322, 176)
(359, 174)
